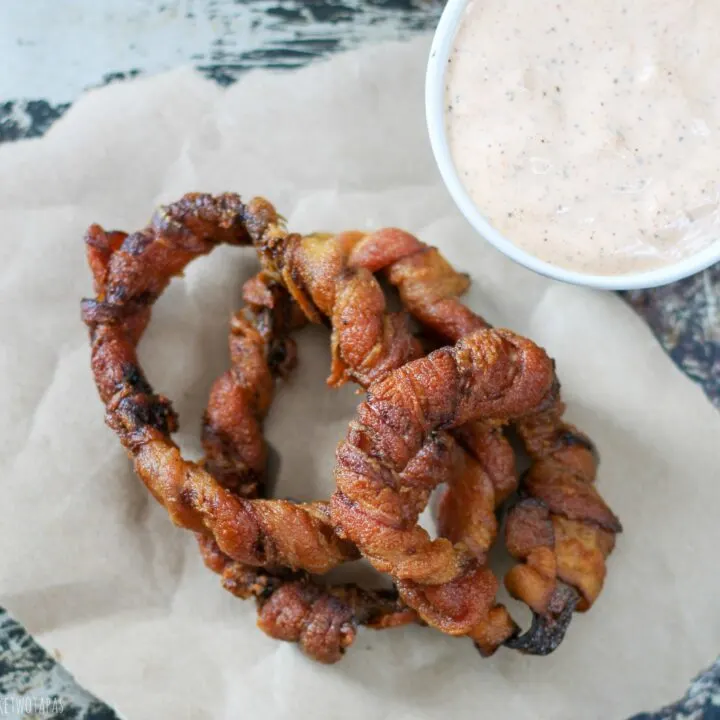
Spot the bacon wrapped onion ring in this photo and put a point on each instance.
(399, 448)
(564, 531)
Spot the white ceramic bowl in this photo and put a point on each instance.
(435, 112)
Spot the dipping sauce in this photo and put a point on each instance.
(587, 131)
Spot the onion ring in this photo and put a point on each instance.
(564, 461)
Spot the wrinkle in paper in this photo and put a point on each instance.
(95, 568)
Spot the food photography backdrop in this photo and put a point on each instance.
(84, 84)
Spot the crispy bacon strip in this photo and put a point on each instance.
(441, 460)
(365, 352)
(292, 606)
(486, 476)
(260, 350)
(130, 272)
(488, 374)
(582, 528)
(567, 531)
(367, 342)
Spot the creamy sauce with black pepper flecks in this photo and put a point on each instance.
(587, 131)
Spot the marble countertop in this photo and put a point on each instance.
(54, 51)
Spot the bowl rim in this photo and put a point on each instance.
(435, 118)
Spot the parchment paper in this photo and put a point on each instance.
(93, 566)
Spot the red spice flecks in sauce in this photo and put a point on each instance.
(588, 132)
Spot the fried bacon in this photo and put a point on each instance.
(312, 605)
(435, 420)
(485, 476)
(244, 534)
(294, 607)
(427, 283)
(129, 274)
(563, 567)
(368, 341)
(490, 374)
(260, 350)
(580, 528)
(440, 460)
(324, 275)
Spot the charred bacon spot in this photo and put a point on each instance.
(272, 583)
(260, 548)
(277, 355)
(133, 376)
(144, 299)
(569, 438)
(547, 631)
(110, 312)
(149, 411)
(551, 396)
(573, 439)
